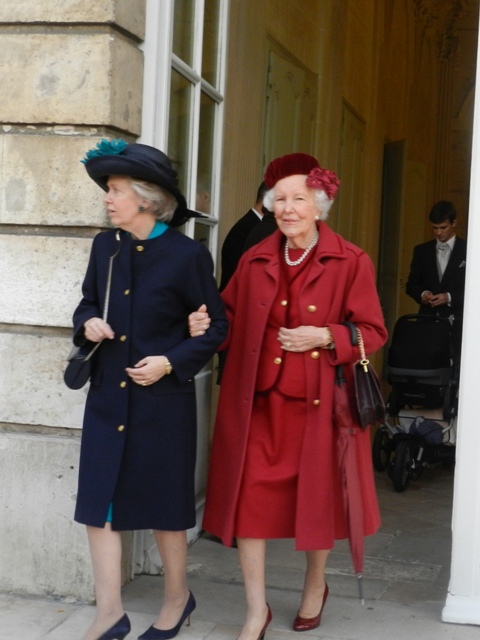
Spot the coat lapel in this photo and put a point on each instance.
(453, 262)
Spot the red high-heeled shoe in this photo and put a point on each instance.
(306, 624)
(267, 622)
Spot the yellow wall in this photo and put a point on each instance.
(388, 61)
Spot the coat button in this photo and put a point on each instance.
(315, 355)
(316, 402)
(122, 338)
(284, 303)
(121, 427)
(278, 361)
(312, 308)
(127, 292)
(140, 248)
(123, 384)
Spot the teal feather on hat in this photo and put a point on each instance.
(105, 148)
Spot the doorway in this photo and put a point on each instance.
(402, 228)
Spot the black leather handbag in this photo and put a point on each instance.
(369, 399)
(79, 368)
(80, 360)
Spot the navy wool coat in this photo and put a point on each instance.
(139, 443)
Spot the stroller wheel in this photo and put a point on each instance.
(382, 448)
(401, 466)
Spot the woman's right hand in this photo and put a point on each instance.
(96, 330)
(199, 321)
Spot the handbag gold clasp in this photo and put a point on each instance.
(364, 362)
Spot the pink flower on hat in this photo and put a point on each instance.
(325, 180)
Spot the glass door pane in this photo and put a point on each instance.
(210, 55)
(180, 126)
(205, 147)
(183, 23)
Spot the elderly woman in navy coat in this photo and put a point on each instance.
(139, 433)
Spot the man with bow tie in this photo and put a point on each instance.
(437, 271)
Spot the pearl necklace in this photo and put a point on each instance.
(304, 254)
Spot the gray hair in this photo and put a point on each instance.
(322, 202)
(162, 202)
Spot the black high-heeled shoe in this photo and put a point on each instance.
(165, 634)
(119, 631)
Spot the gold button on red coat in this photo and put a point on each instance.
(121, 427)
(284, 303)
(315, 355)
(316, 402)
(278, 361)
(312, 308)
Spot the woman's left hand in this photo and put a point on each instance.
(148, 371)
(304, 338)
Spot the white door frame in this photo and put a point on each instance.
(463, 600)
(158, 63)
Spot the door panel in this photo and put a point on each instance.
(346, 220)
(291, 107)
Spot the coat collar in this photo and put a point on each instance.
(270, 252)
(330, 245)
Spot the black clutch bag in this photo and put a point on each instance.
(79, 366)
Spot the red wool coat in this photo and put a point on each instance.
(340, 286)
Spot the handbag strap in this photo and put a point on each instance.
(340, 379)
(109, 278)
(356, 338)
(364, 362)
(107, 293)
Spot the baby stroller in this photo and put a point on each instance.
(419, 428)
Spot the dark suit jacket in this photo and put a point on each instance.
(424, 277)
(261, 231)
(234, 245)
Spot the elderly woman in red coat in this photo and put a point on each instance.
(274, 469)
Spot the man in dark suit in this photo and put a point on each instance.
(234, 243)
(437, 272)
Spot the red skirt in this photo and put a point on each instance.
(268, 495)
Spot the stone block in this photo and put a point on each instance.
(32, 391)
(41, 278)
(72, 78)
(42, 181)
(43, 551)
(128, 14)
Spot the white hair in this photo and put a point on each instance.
(322, 201)
(162, 202)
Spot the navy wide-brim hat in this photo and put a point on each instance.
(139, 161)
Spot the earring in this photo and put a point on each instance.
(141, 209)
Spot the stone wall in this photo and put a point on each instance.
(71, 73)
